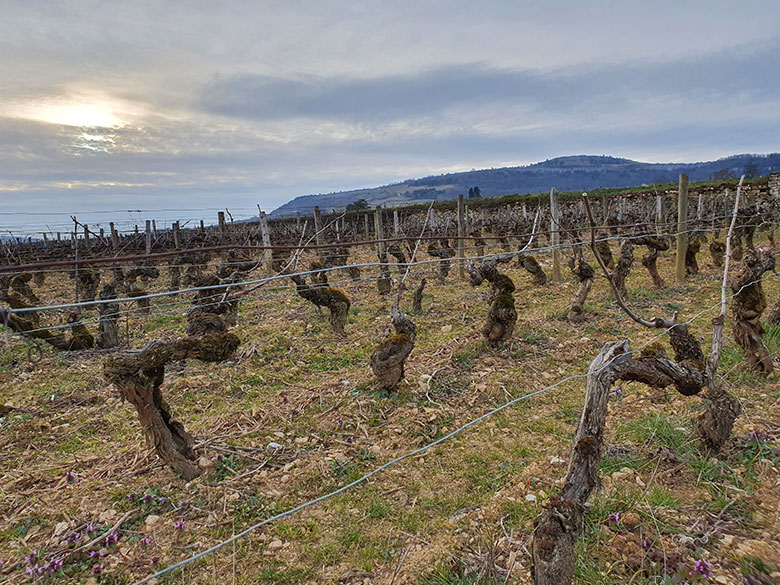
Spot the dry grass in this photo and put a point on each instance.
(460, 513)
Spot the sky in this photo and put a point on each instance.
(181, 108)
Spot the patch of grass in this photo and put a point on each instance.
(378, 509)
(659, 497)
(456, 574)
(327, 361)
(466, 356)
(521, 514)
(657, 428)
(612, 462)
(283, 575)
(227, 466)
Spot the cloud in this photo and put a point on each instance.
(751, 71)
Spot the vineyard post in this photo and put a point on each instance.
(221, 219)
(395, 222)
(659, 212)
(461, 229)
(525, 211)
(45, 240)
(366, 228)
(76, 255)
(86, 237)
(202, 227)
(59, 237)
(378, 229)
(699, 208)
(317, 225)
(148, 237)
(266, 235)
(555, 235)
(176, 236)
(136, 229)
(114, 236)
(605, 207)
(682, 226)
(154, 228)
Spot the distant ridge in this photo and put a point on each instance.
(566, 173)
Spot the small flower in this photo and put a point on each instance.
(756, 436)
(147, 498)
(145, 542)
(614, 518)
(179, 525)
(646, 543)
(98, 569)
(70, 476)
(90, 529)
(703, 568)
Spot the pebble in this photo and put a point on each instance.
(530, 498)
(107, 515)
(152, 519)
(275, 544)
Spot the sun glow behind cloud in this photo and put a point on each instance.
(81, 109)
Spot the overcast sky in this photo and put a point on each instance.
(204, 105)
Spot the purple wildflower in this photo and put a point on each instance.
(614, 517)
(179, 525)
(70, 476)
(98, 569)
(90, 529)
(145, 542)
(646, 543)
(703, 568)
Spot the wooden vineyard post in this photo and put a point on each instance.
(318, 231)
(86, 237)
(378, 230)
(366, 227)
(114, 237)
(221, 219)
(176, 235)
(154, 228)
(555, 235)
(148, 237)
(682, 226)
(317, 226)
(461, 234)
(266, 235)
(395, 223)
(659, 212)
(45, 240)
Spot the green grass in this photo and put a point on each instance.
(659, 429)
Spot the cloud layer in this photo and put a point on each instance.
(172, 104)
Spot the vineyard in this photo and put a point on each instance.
(531, 389)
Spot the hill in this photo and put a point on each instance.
(565, 173)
